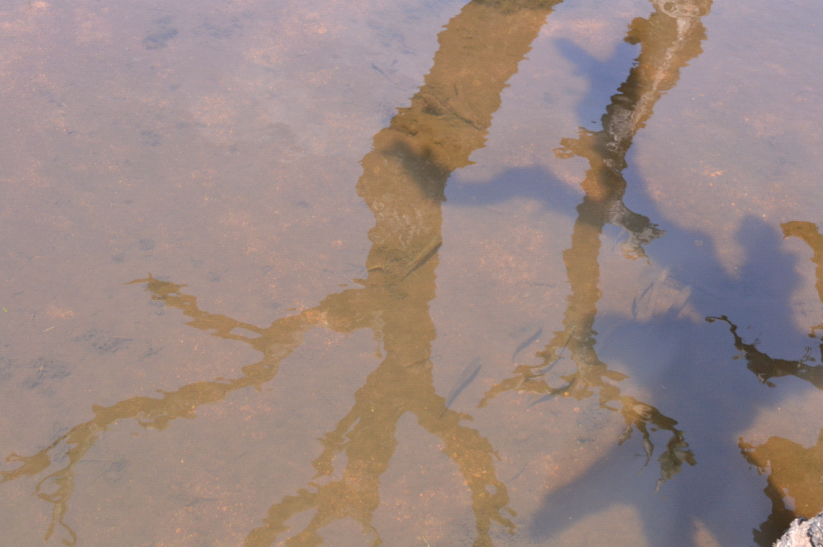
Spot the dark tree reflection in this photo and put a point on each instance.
(668, 39)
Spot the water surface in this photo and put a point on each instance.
(419, 273)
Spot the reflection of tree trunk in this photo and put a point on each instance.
(404, 177)
(403, 182)
(668, 39)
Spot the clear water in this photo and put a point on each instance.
(418, 273)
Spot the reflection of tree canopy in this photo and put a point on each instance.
(669, 38)
(403, 180)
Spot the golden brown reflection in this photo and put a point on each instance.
(809, 233)
(403, 181)
(669, 38)
(793, 470)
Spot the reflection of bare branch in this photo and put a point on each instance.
(641, 416)
(765, 367)
(275, 343)
(640, 230)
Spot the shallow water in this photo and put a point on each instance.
(426, 273)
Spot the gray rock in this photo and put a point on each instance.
(803, 533)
